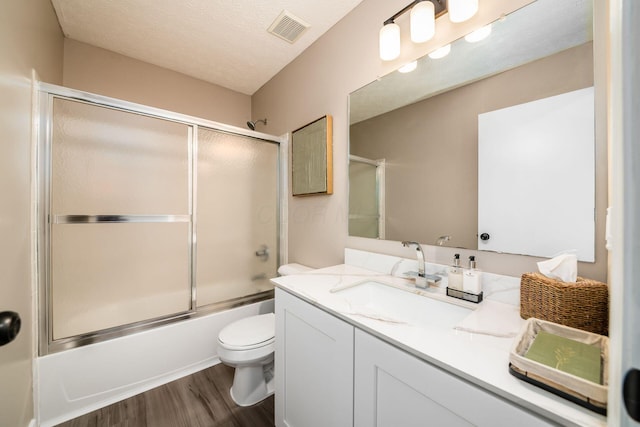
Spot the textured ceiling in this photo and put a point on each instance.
(220, 41)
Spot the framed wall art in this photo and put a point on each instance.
(312, 158)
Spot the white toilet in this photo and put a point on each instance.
(248, 344)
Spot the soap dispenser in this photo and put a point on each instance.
(472, 278)
(455, 274)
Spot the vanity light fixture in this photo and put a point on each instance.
(423, 22)
(389, 41)
(479, 34)
(462, 10)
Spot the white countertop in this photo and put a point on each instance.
(476, 350)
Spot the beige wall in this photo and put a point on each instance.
(432, 152)
(30, 38)
(103, 72)
(318, 82)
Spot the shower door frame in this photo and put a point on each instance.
(42, 181)
(380, 165)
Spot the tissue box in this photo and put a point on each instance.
(582, 305)
(591, 395)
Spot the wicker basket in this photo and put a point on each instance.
(582, 305)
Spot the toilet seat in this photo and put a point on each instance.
(249, 333)
(246, 347)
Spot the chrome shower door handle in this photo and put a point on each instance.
(263, 253)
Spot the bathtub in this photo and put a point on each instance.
(77, 381)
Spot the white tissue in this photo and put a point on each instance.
(563, 267)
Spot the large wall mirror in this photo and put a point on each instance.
(415, 138)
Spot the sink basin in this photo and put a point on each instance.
(387, 303)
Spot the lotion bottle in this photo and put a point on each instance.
(472, 278)
(455, 274)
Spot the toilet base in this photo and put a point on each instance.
(252, 384)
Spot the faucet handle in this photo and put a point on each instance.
(407, 243)
(423, 280)
(419, 279)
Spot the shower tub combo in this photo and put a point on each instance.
(155, 230)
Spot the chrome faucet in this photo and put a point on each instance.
(421, 280)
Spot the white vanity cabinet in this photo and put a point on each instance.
(393, 388)
(332, 374)
(313, 365)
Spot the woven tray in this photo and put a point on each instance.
(578, 390)
(583, 305)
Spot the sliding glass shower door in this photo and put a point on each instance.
(120, 222)
(237, 210)
(147, 219)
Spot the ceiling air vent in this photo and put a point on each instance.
(288, 27)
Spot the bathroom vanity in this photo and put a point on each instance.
(359, 346)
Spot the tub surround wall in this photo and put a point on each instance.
(78, 381)
(96, 70)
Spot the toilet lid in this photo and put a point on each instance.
(249, 331)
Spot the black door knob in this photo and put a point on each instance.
(9, 326)
(485, 236)
(631, 393)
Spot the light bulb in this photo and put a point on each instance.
(461, 10)
(441, 52)
(389, 42)
(407, 68)
(479, 34)
(423, 22)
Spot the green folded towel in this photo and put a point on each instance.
(567, 355)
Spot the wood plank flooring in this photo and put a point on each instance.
(198, 400)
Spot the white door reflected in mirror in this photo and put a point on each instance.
(536, 177)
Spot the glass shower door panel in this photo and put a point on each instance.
(107, 161)
(237, 216)
(106, 275)
(120, 218)
(363, 200)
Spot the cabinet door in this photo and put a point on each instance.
(393, 388)
(314, 366)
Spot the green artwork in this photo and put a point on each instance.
(567, 355)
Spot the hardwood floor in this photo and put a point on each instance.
(198, 400)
